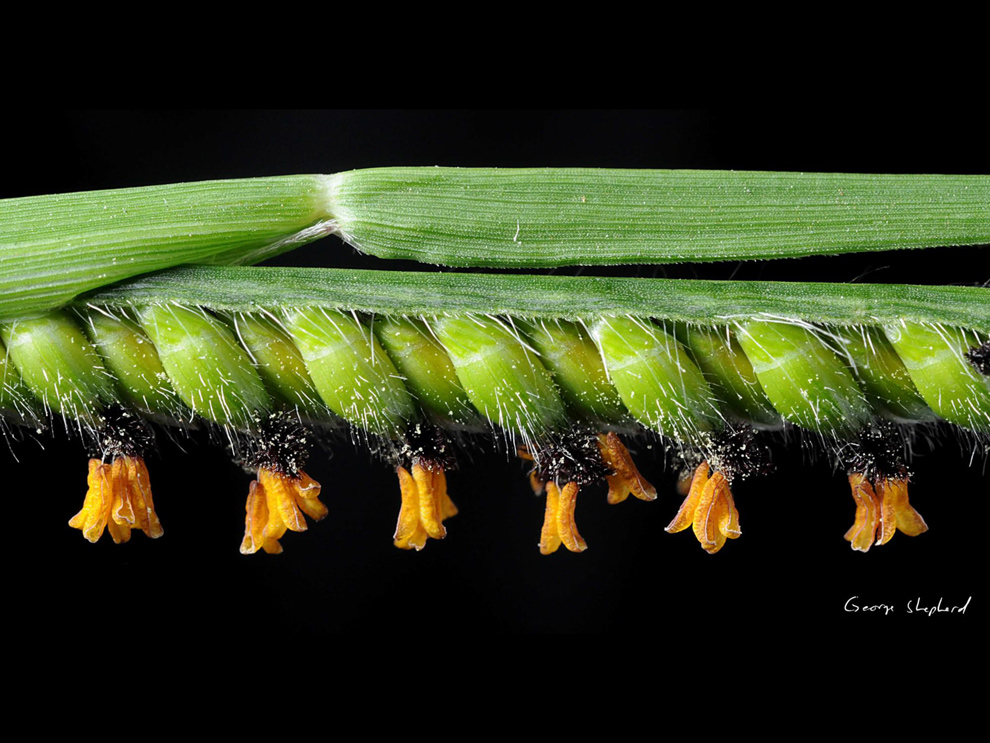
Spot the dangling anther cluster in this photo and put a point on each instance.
(282, 492)
(709, 507)
(422, 461)
(118, 496)
(625, 478)
(578, 458)
(878, 479)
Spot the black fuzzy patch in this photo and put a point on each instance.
(739, 452)
(280, 445)
(979, 357)
(427, 444)
(877, 452)
(571, 457)
(123, 434)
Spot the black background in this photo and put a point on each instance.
(791, 569)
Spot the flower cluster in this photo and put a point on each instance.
(882, 508)
(709, 508)
(118, 498)
(425, 505)
(276, 504)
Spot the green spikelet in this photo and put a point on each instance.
(428, 371)
(351, 371)
(881, 374)
(503, 378)
(804, 379)
(729, 372)
(570, 355)
(208, 369)
(59, 365)
(15, 399)
(133, 361)
(656, 378)
(934, 356)
(280, 364)
(805, 363)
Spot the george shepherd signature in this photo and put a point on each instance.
(915, 606)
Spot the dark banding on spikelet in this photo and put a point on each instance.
(123, 434)
(739, 452)
(979, 357)
(877, 452)
(426, 444)
(571, 457)
(281, 444)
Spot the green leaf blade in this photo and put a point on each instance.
(549, 217)
(53, 248)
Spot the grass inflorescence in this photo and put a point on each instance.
(556, 368)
